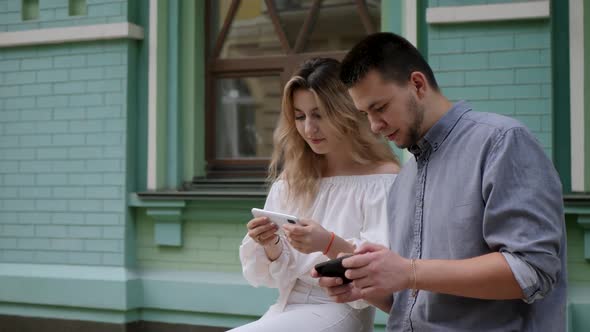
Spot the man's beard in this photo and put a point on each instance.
(417, 114)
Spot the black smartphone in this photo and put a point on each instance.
(333, 268)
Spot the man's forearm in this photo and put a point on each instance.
(484, 277)
(383, 303)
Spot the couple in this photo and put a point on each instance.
(469, 235)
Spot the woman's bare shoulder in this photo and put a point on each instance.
(387, 168)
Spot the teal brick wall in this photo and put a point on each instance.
(501, 67)
(62, 153)
(55, 13)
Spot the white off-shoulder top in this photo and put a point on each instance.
(353, 207)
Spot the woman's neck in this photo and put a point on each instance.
(340, 163)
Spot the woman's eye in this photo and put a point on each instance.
(300, 118)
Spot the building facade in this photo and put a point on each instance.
(134, 136)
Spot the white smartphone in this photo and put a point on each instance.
(275, 217)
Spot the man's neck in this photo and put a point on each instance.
(435, 109)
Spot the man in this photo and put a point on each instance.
(476, 217)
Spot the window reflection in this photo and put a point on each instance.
(246, 117)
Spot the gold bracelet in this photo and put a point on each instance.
(414, 289)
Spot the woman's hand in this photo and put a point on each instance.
(308, 236)
(262, 231)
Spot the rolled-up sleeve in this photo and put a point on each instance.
(523, 217)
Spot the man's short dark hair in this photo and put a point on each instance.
(391, 55)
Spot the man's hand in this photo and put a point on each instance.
(336, 290)
(376, 271)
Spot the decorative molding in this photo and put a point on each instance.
(584, 222)
(71, 34)
(96, 287)
(152, 96)
(576, 26)
(167, 226)
(410, 21)
(487, 13)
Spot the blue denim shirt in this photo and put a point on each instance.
(481, 183)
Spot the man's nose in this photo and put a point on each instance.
(376, 124)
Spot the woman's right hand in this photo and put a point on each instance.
(262, 231)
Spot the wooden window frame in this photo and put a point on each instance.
(255, 66)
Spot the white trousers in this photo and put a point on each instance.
(309, 309)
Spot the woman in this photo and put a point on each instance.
(330, 171)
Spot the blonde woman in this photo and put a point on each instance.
(329, 170)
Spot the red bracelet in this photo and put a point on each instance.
(330, 244)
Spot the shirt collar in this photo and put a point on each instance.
(435, 136)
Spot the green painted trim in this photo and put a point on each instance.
(584, 222)
(132, 111)
(579, 318)
(577, 210)
(221, 210)
(199, 61)
(215, 295)
(422, 27)
(392, 21)
(188, 86)
(391, 16)
(162, 91)
(134, 12)
(141, 85)
(167, 226)
(104, 290)
(131, 138)
(210, 299)
(168, 233)
(135, 201)
(69, 313)
(29, 10)
(174, 145)
(586, 151)
(561, 91)
(77, 8)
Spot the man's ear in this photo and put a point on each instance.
(419, 83)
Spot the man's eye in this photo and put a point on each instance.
(380, 109)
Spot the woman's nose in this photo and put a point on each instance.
(310, 128)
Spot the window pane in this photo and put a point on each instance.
(292, 14)
(247, 111)
(251, 32)
(339, 26)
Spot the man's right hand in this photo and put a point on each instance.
(336, 290)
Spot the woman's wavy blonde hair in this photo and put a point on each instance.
(292, 159)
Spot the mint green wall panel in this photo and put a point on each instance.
(62, 164)
(206, 246)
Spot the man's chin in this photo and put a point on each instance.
(400, 145)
